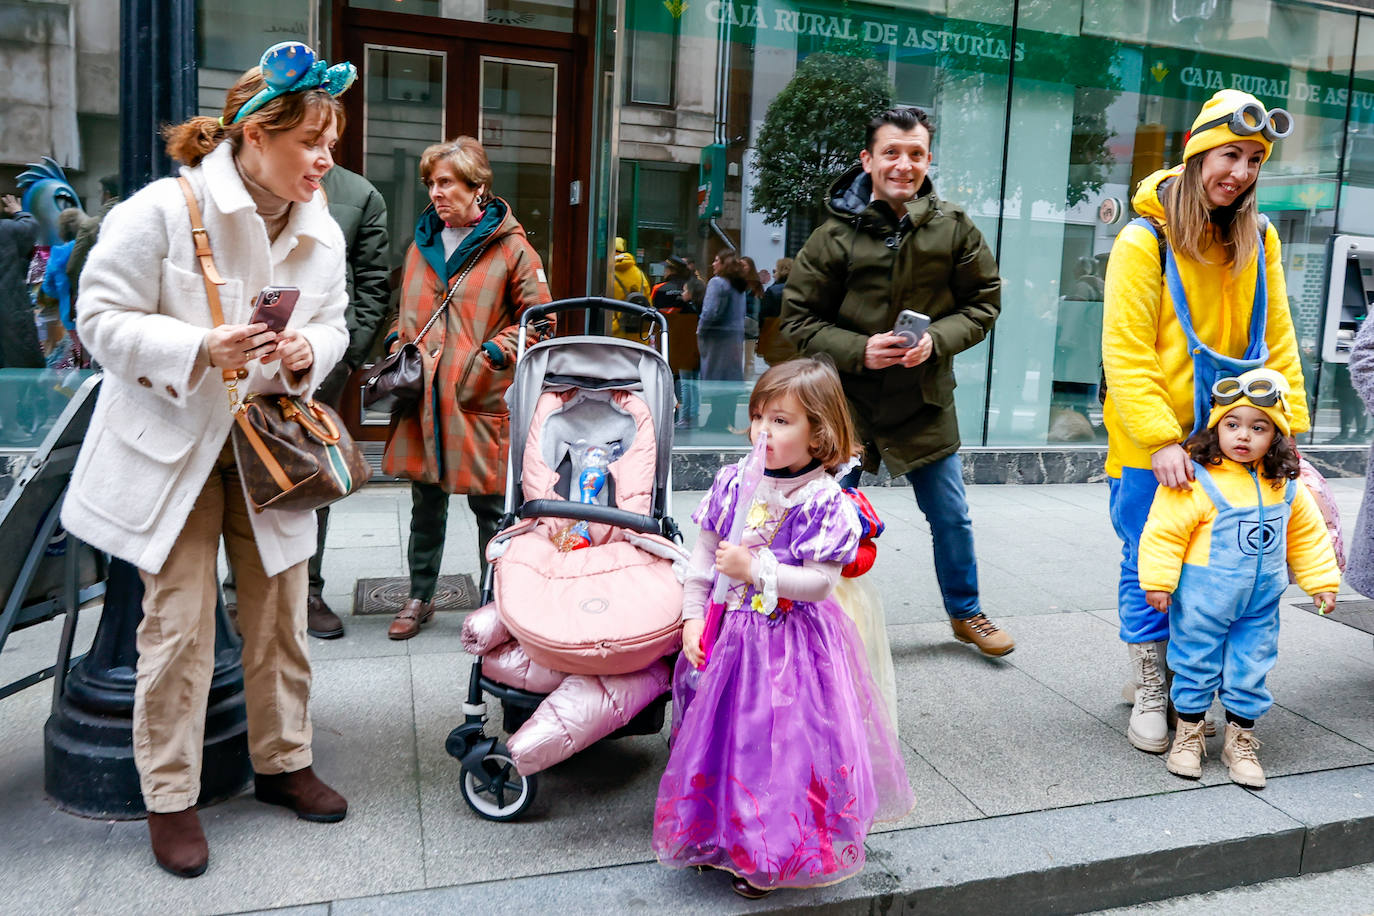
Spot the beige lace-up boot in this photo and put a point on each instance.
(1238, 753)
(1149, 728)
(1185, 759)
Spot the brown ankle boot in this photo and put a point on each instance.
(178, 842)
(302, 792)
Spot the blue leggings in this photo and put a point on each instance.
(1129, 504)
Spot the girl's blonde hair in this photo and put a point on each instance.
(1192, 228)
(466, 155)
(192, 140)
(816, 386)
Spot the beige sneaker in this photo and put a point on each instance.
(1238, 753)
(983, 633)
(1185, 759)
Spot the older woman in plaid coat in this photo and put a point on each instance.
(456, 442)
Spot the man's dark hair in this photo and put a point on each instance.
(903, 118)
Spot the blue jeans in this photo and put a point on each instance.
(940, 495)
(1128, 501)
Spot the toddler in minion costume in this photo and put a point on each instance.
(1194, 291)
(1221, 551)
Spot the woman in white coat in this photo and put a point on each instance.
(156, 483)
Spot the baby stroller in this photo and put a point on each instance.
(574, 642)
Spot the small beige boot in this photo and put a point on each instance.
(1185, 759)
(1149, 728)
(1238, 752)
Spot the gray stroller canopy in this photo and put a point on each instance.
(594, 363)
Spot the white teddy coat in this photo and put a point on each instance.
(161, 421)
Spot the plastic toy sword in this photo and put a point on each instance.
(749, 476)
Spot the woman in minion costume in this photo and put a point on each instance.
(1194, 292)
(1220, 554)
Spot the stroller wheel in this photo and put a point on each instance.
(498, 792)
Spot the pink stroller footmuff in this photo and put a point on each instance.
(614, 606)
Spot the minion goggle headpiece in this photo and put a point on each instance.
(1258, 390)
(1250, 119)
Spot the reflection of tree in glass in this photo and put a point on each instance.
(814, 130)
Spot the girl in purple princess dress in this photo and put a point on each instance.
(783, 754)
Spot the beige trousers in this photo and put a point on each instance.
(176, 650)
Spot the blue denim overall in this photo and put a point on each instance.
(1131, 494)
(1224, 622)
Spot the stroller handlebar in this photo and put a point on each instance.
(605, 515)
(590, 303)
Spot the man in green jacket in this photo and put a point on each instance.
(890, 244)
(360, 211)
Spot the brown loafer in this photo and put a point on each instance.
(303, 792)
(179, 842)
(320, 621)
(410, 618)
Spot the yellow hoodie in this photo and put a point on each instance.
(1145, 352)
(1179, 531)
(628, 279)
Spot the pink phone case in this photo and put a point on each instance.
(274, 306)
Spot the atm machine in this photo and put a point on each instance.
(1349, 294)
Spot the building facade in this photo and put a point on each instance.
(685, 126)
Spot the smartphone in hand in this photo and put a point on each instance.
(910, 326)
(274, 306)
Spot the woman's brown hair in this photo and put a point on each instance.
(751, 278)
(1277, 465)
(466, 155)
(816, 386)
(732, 268)
(1195, 225)
(191, 141)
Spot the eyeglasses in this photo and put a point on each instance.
(1261, 392)
(1251, 118)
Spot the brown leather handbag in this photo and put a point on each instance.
(292, 452)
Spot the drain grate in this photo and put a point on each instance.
(1357, 614)
(386, 596)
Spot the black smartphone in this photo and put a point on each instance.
(274, 306)
(910, 326)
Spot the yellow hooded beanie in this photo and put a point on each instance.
(1276, 412)
(1202, 137)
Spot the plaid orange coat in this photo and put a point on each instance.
(459, 436)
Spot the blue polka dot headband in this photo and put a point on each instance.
(292, 67)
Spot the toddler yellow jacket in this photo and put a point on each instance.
(1145, 352)
(1179, 530)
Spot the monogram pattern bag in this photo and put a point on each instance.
(292, 452)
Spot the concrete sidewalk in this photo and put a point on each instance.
(1028, 796)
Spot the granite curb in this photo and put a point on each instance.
(1066, 860)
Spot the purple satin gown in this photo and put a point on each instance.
(782, 752)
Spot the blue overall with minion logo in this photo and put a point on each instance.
(1224, 622)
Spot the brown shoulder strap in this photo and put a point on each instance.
(213, 281)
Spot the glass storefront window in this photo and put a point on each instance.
(550, 15)
(733, 59)
(517, 131)
(1101, 109)
(404, 104)
(59, 155)
(231, 39)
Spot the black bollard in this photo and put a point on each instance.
(88, 740)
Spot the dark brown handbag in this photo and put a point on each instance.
(292, 452)
(395, 384)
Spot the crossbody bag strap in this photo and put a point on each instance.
(209, 273)
(472, 262)
(213, 281)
